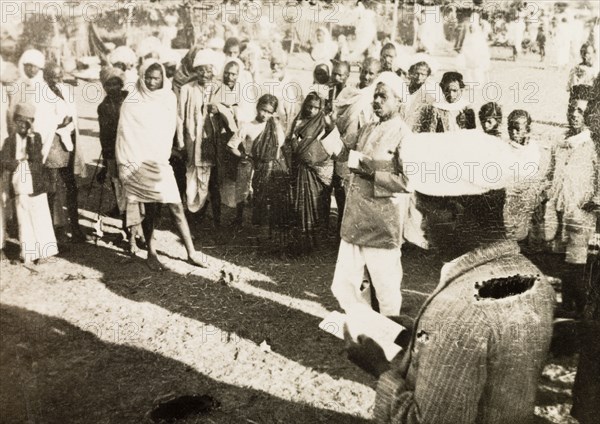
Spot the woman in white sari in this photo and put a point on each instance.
(323, 48)
(144, 139)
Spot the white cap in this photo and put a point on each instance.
(465, 162)
(33, 57)
(206, 57)
(393, 81)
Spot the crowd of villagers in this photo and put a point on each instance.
(198, 132)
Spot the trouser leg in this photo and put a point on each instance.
(348, 276)
(68, 177)
(385, 270)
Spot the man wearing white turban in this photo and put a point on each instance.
(371, 229)
(198, 133)
(216, 45)
(124, 58)
(28, 87)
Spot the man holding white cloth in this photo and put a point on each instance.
(371, 229)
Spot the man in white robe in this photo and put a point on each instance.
(197, 131)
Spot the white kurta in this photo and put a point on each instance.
(36, 233)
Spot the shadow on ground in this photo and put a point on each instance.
(54, 372)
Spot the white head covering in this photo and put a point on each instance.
(393, 81)
(170, 56)
(216, 43)
(147, 95)
(149, 45)
(33, 57)
(123, 54)
(235, 60)
(465, 162)
(206, 57)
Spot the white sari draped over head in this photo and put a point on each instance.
(144, 140)
(325, 50)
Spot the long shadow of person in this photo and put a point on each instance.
(55, 372)
(199, 295)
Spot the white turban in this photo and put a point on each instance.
(123, 54)
(149, 46)
(466, 162)
(235, 60)
(206, 57)
(216, 43)
(33, 57)
(170, 56)
(393, 81)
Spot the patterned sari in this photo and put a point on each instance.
(270, 182)
(311, 173)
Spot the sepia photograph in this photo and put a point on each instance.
(300, 212)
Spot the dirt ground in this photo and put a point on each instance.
(95, 337)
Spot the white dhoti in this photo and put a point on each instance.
(149, 182)
(197, 179)
(36, 233)
(385, 270)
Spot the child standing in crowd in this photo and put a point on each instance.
(311, 170)
(490, 117)
(524, 198)
(21, 156)
(112, 80)
(258, 145)
(452, 112)
(573, 189)
(585, 72)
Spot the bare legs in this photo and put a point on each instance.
(184, 232)
(152, 211)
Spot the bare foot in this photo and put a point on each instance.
(154, 264)
(133, 249)
(197, 259)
